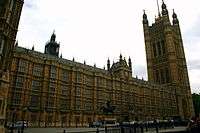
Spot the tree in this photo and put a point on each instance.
(196, 103)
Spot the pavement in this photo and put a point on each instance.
(171, 130)
(93, 130)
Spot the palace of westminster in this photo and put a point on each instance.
(49, 91)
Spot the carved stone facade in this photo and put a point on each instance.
(48, 91)
(60, 92)
(166, 63)
(10, 11)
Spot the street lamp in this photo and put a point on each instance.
(24, 111)
(13, 120)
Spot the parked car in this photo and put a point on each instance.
(110, 122)
(18, 124)
(96, 124)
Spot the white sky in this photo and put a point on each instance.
(94, 30)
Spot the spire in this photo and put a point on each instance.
(158, 8)
(120, 57)
(145, 20)
(53, 37)
(33, 47)
(164, 8)
(129, 63)
(108, 64)
(175, 19)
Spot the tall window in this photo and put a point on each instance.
(88, 105)
(16, 98)
(89, 80)
(53, 72)
(159, 49)
(101, 82)
(155, 50)
(1, 46)
(23, 66)
(19, 83)
(64, 90)
(163, 47)
(162, 73)
(78, 104)
(50, 102)
(52, 87)
(157, 76)
(37, 70)
(167, 75)
(64, 104)
(79, 77)
(64, 75)
(34, 101)
(36, 85)
(88, 93)
(78, 91)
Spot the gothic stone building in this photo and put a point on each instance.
(49, 91)
(10, 11)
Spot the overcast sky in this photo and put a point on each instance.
(93, 30)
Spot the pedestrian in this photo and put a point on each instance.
(97, 130)
(156, 125)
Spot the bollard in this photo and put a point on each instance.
(64, 131)
(134, 128)
(97, 130)
(122, 129)
(130, 129)
(146, 127)
(142, 130)
(106, 130)
(156, 128)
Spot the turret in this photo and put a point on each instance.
(164, 9)
(108, 64)
(52, 47)
(120, 58)
(130, 63)
(145, 20)
(175, 19)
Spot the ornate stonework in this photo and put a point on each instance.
(166, 61)
(10, 11)
(48, 91)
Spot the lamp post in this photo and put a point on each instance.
(13, 120)
(23, 117)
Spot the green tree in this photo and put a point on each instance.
(196, 102)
